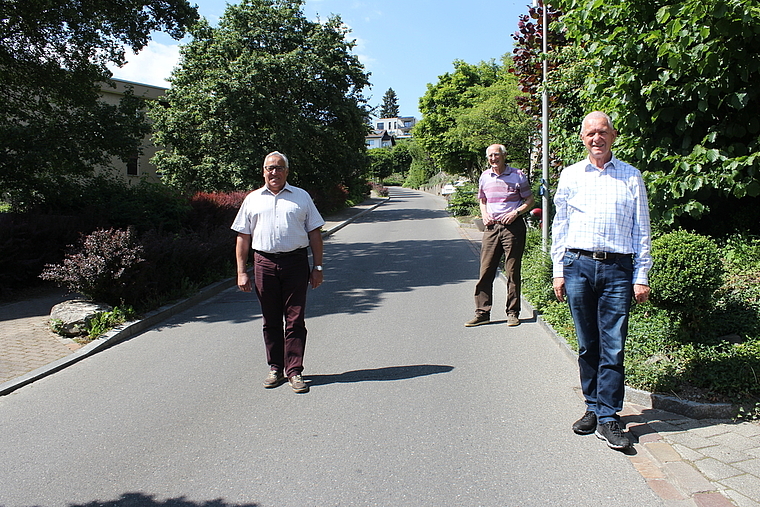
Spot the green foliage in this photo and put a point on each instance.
(493, 117)
(103, 322)
(464, 201)
(422, 167)
(718, 362)
(395, 159)
(536, 272)
(101, 268)
(440, 107)
(682, 89)
(389, 108)
(265, 79)
(54, 55)
(687, 271)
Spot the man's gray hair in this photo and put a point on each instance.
(277, 154)
(502, 149)
(596, 115)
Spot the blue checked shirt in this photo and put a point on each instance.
(605, 211)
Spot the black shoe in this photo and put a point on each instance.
(479, 319)
(586, 424)
(613, 435)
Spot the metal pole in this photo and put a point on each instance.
(545, 143)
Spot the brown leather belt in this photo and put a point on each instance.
(598, 255)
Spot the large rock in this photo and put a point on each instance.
(74, 316)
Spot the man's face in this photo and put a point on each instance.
(275, 173)
(495, 157)
(598, 137)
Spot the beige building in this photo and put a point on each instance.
(139, 166)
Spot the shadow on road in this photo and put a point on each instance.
(143, 500)
(379, 374)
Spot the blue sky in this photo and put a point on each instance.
(403, 44)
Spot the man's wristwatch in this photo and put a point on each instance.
(318, 268)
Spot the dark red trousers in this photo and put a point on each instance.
(281, 285)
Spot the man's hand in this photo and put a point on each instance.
(559, 288)
(244, 282)
(316, 278)
(640, 293)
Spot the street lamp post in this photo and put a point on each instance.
(544, 190)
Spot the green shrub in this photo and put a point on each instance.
(686, 273)
(536, 272)
(101, 268)
(464, 201)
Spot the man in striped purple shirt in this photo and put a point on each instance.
(505, 195)
(601, 257)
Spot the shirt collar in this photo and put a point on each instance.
(611, 164)
(506, 172)
(287, 187)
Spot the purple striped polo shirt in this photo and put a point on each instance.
(503, 192)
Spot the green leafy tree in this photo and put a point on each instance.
(442, 103)
(389, 108)
(421, 168)
(53, 58)
(680, 79)
(380, 163)
(265, 79)
(495, 117)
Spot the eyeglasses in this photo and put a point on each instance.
(275, 168)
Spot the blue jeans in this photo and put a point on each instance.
(599, 293)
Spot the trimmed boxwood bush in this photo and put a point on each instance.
(686, 273)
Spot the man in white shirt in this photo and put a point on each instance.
(601, 244)
(279, 222)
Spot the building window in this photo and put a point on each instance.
(380, 126)
(132, 166)
(407, 124)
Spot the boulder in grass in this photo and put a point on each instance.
(75, 315)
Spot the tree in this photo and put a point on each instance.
(389, 109)
(440, 106)
(495, 117)
(266, 79)
(53, 59)
(680, 80)
(469, 110)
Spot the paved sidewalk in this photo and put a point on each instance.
(695, 461)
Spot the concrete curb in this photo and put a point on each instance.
(130, 329)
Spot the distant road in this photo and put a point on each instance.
(407, 407)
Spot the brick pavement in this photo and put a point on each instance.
(26, 341)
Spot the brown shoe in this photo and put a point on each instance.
(274, 379)
(479, 319)
(512, 320)
(298, 385)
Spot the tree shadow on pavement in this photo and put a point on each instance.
(379, 374)
(144, 500)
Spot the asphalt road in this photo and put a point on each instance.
(407, 407)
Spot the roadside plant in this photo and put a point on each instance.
(100, 267)
(687, 272)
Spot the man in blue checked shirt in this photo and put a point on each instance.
(601, 257)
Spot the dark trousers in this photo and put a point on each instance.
(281, 285)
(498, 240)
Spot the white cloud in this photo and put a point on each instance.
(153, 65)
